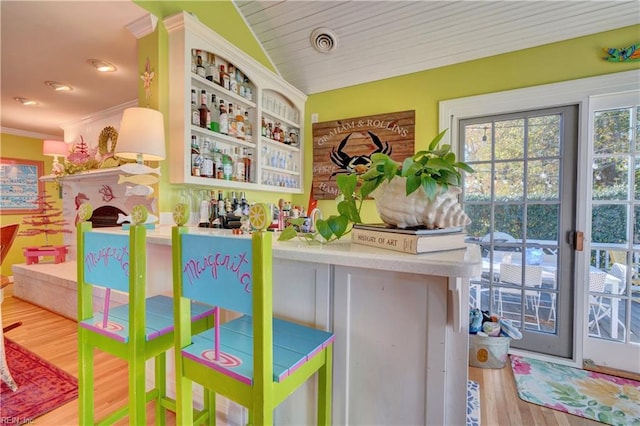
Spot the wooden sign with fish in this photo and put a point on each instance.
(345, 146)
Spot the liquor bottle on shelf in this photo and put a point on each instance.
(194, 98)
(233, 83)
(227, 166)
(224, 118)
(244, 205)
(248, 92)
(216, 155)
(246, 158)
(248, 128)
(240, 132)
(231, 117)
(195, 114)
(234, 201)
(215, 114)
(220, 202)
(224, 78)
(263, 127)
(212, 70)
(238, 165)
(200, 70)
(196, 159)
(205, 114)
(206, 169)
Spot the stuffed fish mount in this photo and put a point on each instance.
(627, 54)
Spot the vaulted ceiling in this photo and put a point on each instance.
(52, 40)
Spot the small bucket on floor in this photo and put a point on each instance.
(488, 352)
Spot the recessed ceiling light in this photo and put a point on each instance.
(102, 65)
(25, 101)
(58, 87)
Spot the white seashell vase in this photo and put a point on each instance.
(416, 210)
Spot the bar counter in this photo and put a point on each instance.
(401, 348)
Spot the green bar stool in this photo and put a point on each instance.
(255, 360)
(136, 332)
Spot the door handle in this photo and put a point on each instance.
(576, 239)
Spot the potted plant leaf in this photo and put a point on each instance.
(420, 192)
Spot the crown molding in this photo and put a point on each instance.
(143, 26)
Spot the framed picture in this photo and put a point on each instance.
(22, 191)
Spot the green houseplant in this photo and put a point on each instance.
(435, 170)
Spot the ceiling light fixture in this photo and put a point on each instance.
(25, 101)
(324, 40)
(58, 87)
(102, 65)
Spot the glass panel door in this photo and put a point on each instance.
(521, 200)
(613, 310)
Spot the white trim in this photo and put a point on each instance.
(617, 354)
(549, 95)
(27, 134)
(143, 26)
(116, 109)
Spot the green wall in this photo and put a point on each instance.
(223, 18)
(572, 59)
(26, 148)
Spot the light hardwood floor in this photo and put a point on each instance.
(54, 338)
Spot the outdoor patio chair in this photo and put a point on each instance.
(512, 274)
(598, 306)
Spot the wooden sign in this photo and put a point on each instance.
(345, 146)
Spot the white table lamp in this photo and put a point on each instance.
(141, 135)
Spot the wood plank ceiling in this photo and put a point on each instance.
(382, 39)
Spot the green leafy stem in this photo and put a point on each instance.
(434, 169)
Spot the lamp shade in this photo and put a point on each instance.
(141, 135)
(55, 148)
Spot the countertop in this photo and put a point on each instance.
(456, 263)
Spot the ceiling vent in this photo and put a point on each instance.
(324, 40)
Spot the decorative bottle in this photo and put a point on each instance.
(227, 166)
(224, 118)
(233, 83)
(196, 160)
(212, 70)
(205, 114)
(240, 132)
(246, 158)
(207, 162)
(224, 78)
(231, 117)
(248, 128)
(215, 114)
(200, 70)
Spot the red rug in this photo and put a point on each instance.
(42, 386)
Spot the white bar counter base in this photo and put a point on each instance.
(401, 323)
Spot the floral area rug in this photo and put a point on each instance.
(596, 396)
(473, 403)
(42, 386)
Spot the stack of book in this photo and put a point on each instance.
(413, 241)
